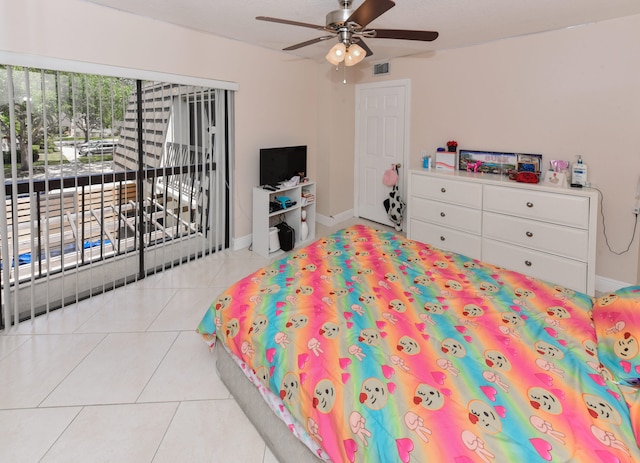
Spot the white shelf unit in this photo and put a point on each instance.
(263, 219)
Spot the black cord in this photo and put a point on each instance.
(604, 227)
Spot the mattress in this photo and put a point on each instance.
(386, 349)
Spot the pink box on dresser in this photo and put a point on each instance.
(445, 161)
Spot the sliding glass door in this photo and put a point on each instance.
(106, 180)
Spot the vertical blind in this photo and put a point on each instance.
(106, 180)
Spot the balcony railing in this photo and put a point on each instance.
(59, 224)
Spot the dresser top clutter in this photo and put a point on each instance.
(545, 231)
(502, 180)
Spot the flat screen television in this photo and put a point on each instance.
(280, 164)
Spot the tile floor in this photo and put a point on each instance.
(123, 377)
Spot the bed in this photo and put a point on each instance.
(369, 347)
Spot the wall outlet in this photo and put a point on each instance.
(636, 210)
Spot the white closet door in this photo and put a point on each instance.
(380, 142)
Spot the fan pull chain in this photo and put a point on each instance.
(344, 76)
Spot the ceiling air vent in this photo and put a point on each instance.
(381, 68)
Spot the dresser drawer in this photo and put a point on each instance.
(563, 209)
(564, 241)
(442, 189)
(445, 238)
(566, 272)
(448, 215)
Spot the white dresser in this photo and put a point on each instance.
(542, 231)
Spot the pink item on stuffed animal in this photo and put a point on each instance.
(473, 166)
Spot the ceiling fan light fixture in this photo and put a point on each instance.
(355, 54)
(337, 54)
(351, 27)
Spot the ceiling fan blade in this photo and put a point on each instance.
(309, 42)
(369, 11)
(425, 36)
(291, 23)
(360, 42)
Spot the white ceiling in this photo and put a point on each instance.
(459, 22)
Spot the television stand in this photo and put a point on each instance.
(302, 196)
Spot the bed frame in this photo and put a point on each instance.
(281, 441)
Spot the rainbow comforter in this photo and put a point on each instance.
(390, 350)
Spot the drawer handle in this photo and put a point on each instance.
(442, 238)
(529, 204)
(442, 214)
(443, 189)
(529, 234)
(528, 263)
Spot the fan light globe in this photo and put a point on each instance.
(355, 54)
(336, 54)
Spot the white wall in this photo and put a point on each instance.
(336, 125)
(560, 94)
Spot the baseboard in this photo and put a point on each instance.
(607, 285)
(241, 243)
(244, 242)
(330, 221)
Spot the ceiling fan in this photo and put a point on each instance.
(351, 27)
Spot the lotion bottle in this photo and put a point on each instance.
(304, 227)
(579, 173)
